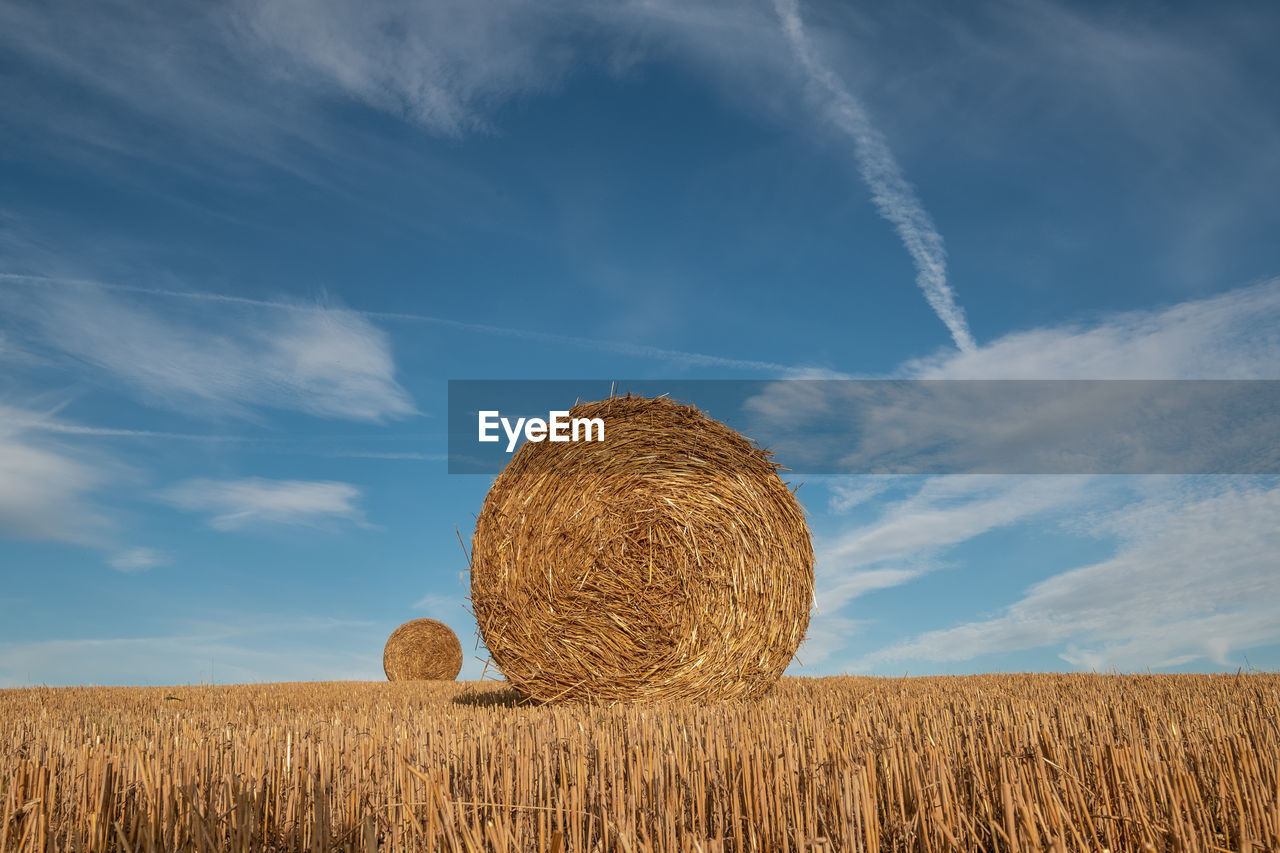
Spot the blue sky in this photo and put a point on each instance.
(244, 246)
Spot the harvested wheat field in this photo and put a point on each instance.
(999, 762)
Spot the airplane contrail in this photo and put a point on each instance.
(893, 195)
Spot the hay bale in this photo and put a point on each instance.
(669, 561)
(422, 649)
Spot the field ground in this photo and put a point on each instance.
(997, 762)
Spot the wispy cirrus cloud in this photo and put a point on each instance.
(1188, 581)
(911, 537)
(682, 358)
(398, 58)
(1194, 579)
(256, 501)
(9, 351)
(437, 606)
(849, 493)
(247, 75)
(262, 78)
(132, 560)
(440, 65)
(906, 540)
(47, 422)
(1038, 425)
(327, 362)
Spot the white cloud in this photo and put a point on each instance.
(260, 78)
(1194, 579)
(137, 560)
(909, 537)
(442, 607)
(1045, 427)
(327, 362)
(851, 492)
(254, 501)
(441, 65)
(683, 358)
(1234, 335)
(949, 510)
(242, 72)
(46, 490)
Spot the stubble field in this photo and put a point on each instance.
(997, 762)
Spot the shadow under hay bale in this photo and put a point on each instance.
(668, 561)
(504, 698)
(422, 650)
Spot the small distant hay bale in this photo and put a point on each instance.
(669, 561)
(422, 650)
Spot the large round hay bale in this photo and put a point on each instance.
(422, 650)
(669, 561)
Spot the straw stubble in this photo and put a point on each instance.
(914, 765)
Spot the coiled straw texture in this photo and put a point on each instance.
(669, 561)
(422, 650)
